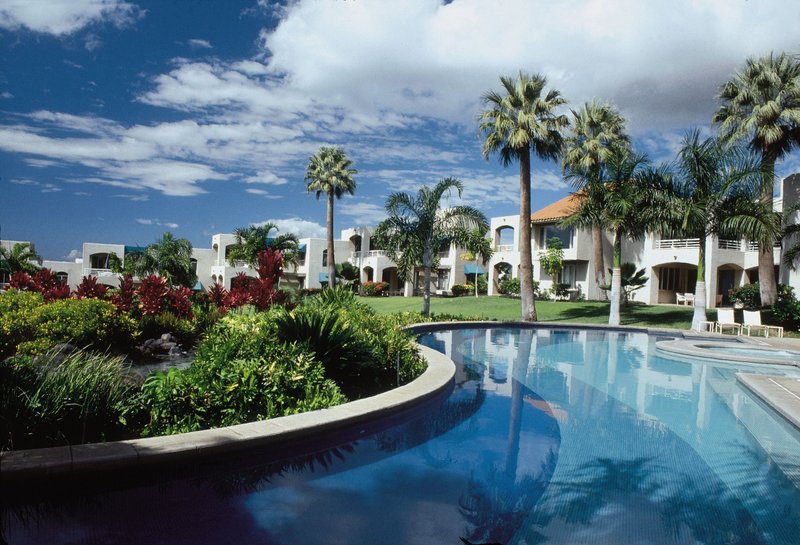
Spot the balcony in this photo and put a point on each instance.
(97, 272)
(723, 244)
(371, 253)
(504, 248)
(676, 243)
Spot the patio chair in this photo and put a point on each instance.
(752, 321)
(726, 320)
(680, 298)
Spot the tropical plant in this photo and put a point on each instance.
(20, 257)
(330, 172)
(417, 227)
(252, 240)
(748, 296)
(515, 124)
(376, 289)
(552, 261)
(509, 286)
(595, 131)
(479, 249)
(170, 258)
(633, 202)
(760, 105)
(631, 280)
(89, 288)
(715, 192)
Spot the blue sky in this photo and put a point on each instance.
(120, 120)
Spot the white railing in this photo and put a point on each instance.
(724, 244)
(371, 253)
(667, 244)
(753, 246)
(504, 248)
(96, 272)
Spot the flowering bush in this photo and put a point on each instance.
(462, 289)
(89, 288)
(374, 289)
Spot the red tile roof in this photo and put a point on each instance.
(558, 210)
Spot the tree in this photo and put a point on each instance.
(552, 262)
(330, 172)
(761, 106)
(633, 202)
(479, 249)
(516, 123)
(20, 257)
(631, 280)
(252, 240)
(417, 227)
(715, 192)
(170, 258)
(595, 131)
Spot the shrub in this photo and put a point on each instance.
(462, 289)
(123, 297)
(84, 398)
(90, 289)
(16, 319)
(786, 311)
(375, 289)
(559, 290)
(152, 327)
(509, 286)
(748, 295)
(153, 295)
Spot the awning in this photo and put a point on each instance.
(198, 286)
(301, 248)
(323, 277)
(470, 268)
(135, 249)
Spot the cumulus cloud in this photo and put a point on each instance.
(200, 44)
(158, 222)
(73, 255)
(298, 226)
(64, 17)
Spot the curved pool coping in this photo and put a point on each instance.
(73, 460)
(704, 349)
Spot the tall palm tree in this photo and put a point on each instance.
(417, 227)
(595, 131)
(715, 192)
(252, 240)
(633, 201)
(20, 257)
(761, 105)
(330, 172)
(169, 257)
(519, 121)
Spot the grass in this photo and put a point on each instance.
(508, 309)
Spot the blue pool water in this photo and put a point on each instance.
(550, 436)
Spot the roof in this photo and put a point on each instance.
(558, 210)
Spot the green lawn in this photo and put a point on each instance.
(503, 308)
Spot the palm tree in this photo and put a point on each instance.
(170, 258)
(516, 123)
(252, 240)
(715, 192)
(329, 171)
(20, 257)
(633, 200)
(596, 130)
(761, 105)
(417, 227)
(479, 249)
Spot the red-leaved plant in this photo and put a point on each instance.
(89, 288)
(179, 302)
(123, 297)
(153, 293)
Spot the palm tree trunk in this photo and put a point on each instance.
(331, 260)
(700, 290)
(427, 261)
(616, 281)
(766, 258)
(525, 255)
(600, 267)
(476, 277)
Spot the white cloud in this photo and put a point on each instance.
(361, 213)
(6, 95)
(298, 226)
(73, 255)
(156, 221)
(199, 44)
(63, 17)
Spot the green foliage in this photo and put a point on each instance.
(33, 329)
(552, 261)
(374, 289)
(749, 295)
(786, 311)
(559, 290)
(630, 280)
(151, 327)
(462, 289)
(509, 286)
(84, 398)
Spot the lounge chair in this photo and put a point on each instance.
(725, 320)
(680, 298)
(752, 321)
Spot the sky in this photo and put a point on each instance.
(120, 120)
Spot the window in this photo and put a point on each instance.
(668, 278)
(324, 258)
(442, 279)
(550, 231)
(569, 275)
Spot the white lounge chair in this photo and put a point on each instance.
(752, 321)
(680, 298)
(725, 320)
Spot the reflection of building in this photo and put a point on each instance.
(311, 271)
(670, 264)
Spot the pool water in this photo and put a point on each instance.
(558, 436)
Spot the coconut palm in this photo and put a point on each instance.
(170, 258)
(633, 199)
(20, 257)
(417, 227)
(761, 106)
(252, 240)
(330, 172)
(519, 121)
(596, 130)
(714, 192)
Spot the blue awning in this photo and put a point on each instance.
(301, 248)
(198, 286)
(135, 249)
(470, 268)
(323, 277)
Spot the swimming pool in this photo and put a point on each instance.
(550, 435)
